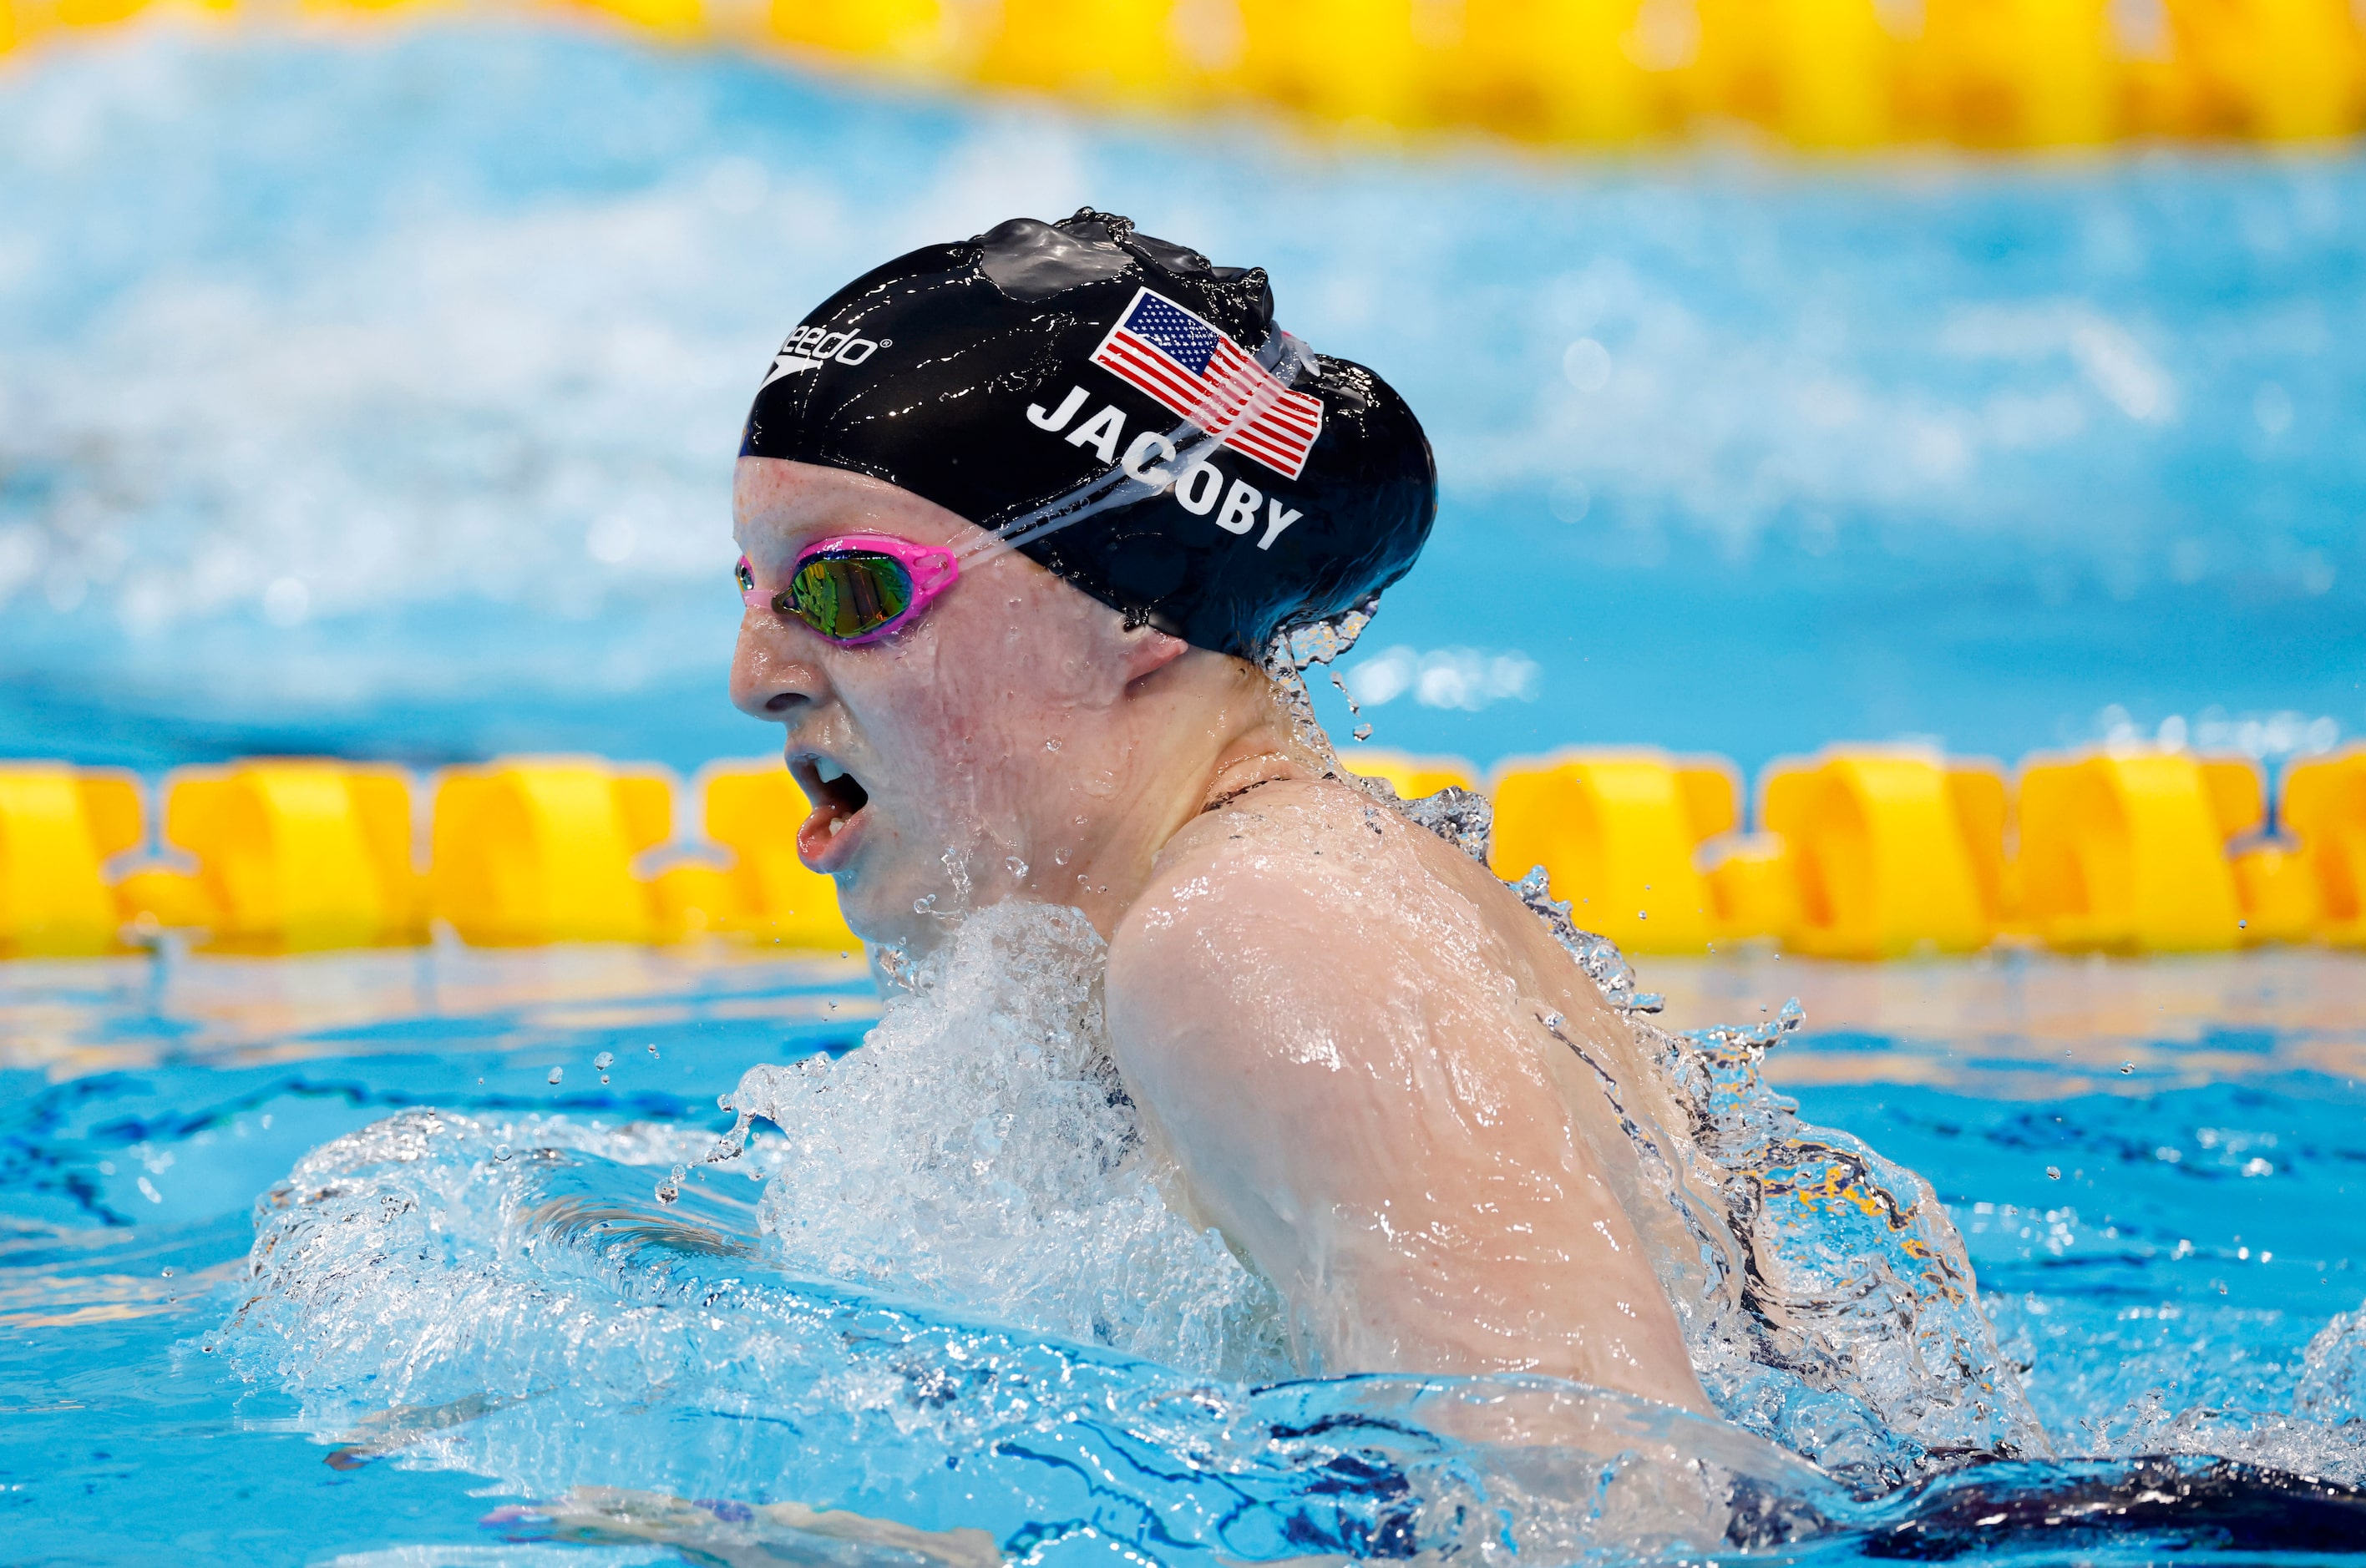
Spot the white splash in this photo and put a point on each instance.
(980, 1151)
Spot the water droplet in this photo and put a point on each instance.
(653, 1050)
(168, 1274)
(1060, 856)
(668, 1192)
(1642, 914)
(605, 1060)
(556, 1074)
(833, 1007)
(2054, 1173)
(501, 1151)
(1051, 745)
(1362, 731)
(922, 905)
(604, 1077)
(2126, 1067)
(1018, 866)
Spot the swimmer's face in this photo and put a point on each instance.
(976, 753)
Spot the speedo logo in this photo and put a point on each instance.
(1198, 488)
(810, 348)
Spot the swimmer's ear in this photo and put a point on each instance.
(1148, 651)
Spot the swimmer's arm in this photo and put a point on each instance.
(1349, 1100)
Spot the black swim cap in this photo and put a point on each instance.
(1057, 383)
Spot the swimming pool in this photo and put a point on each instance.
(2004, 454)
(2150, 1164)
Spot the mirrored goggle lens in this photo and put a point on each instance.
(848, 593)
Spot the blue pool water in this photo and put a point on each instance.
(2153, 1167)
(375, 392)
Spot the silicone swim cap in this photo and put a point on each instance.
(1122, 411)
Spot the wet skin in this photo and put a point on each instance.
(1367, 1062)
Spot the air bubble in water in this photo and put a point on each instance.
(605, 1060)
(501, 1151)
(556, 1074)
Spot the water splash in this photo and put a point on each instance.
(533, 1321)
(980, 1151)
(1858, 1334)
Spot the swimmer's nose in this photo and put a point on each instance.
(769, 678)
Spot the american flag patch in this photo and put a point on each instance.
(1202, 374)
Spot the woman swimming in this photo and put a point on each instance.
(1021, 519)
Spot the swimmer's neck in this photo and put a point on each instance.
(1192, 774)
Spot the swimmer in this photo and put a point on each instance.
(1020, 519)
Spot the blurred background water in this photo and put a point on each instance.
(379, 398)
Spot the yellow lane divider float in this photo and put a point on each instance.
(291, 854)
(1836, 75)
(1880, 853)
(304, 855)
(541, 849)
(58, 827)
(2317, 881)
(1618, 831)
(1887, 854)
(2128, 853)
(1859, 853)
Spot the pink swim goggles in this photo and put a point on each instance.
(856, 587)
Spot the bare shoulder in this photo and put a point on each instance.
(1308, 886)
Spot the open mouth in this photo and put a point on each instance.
(827, 836)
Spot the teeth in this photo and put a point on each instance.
(836, 825)
(828, 771)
